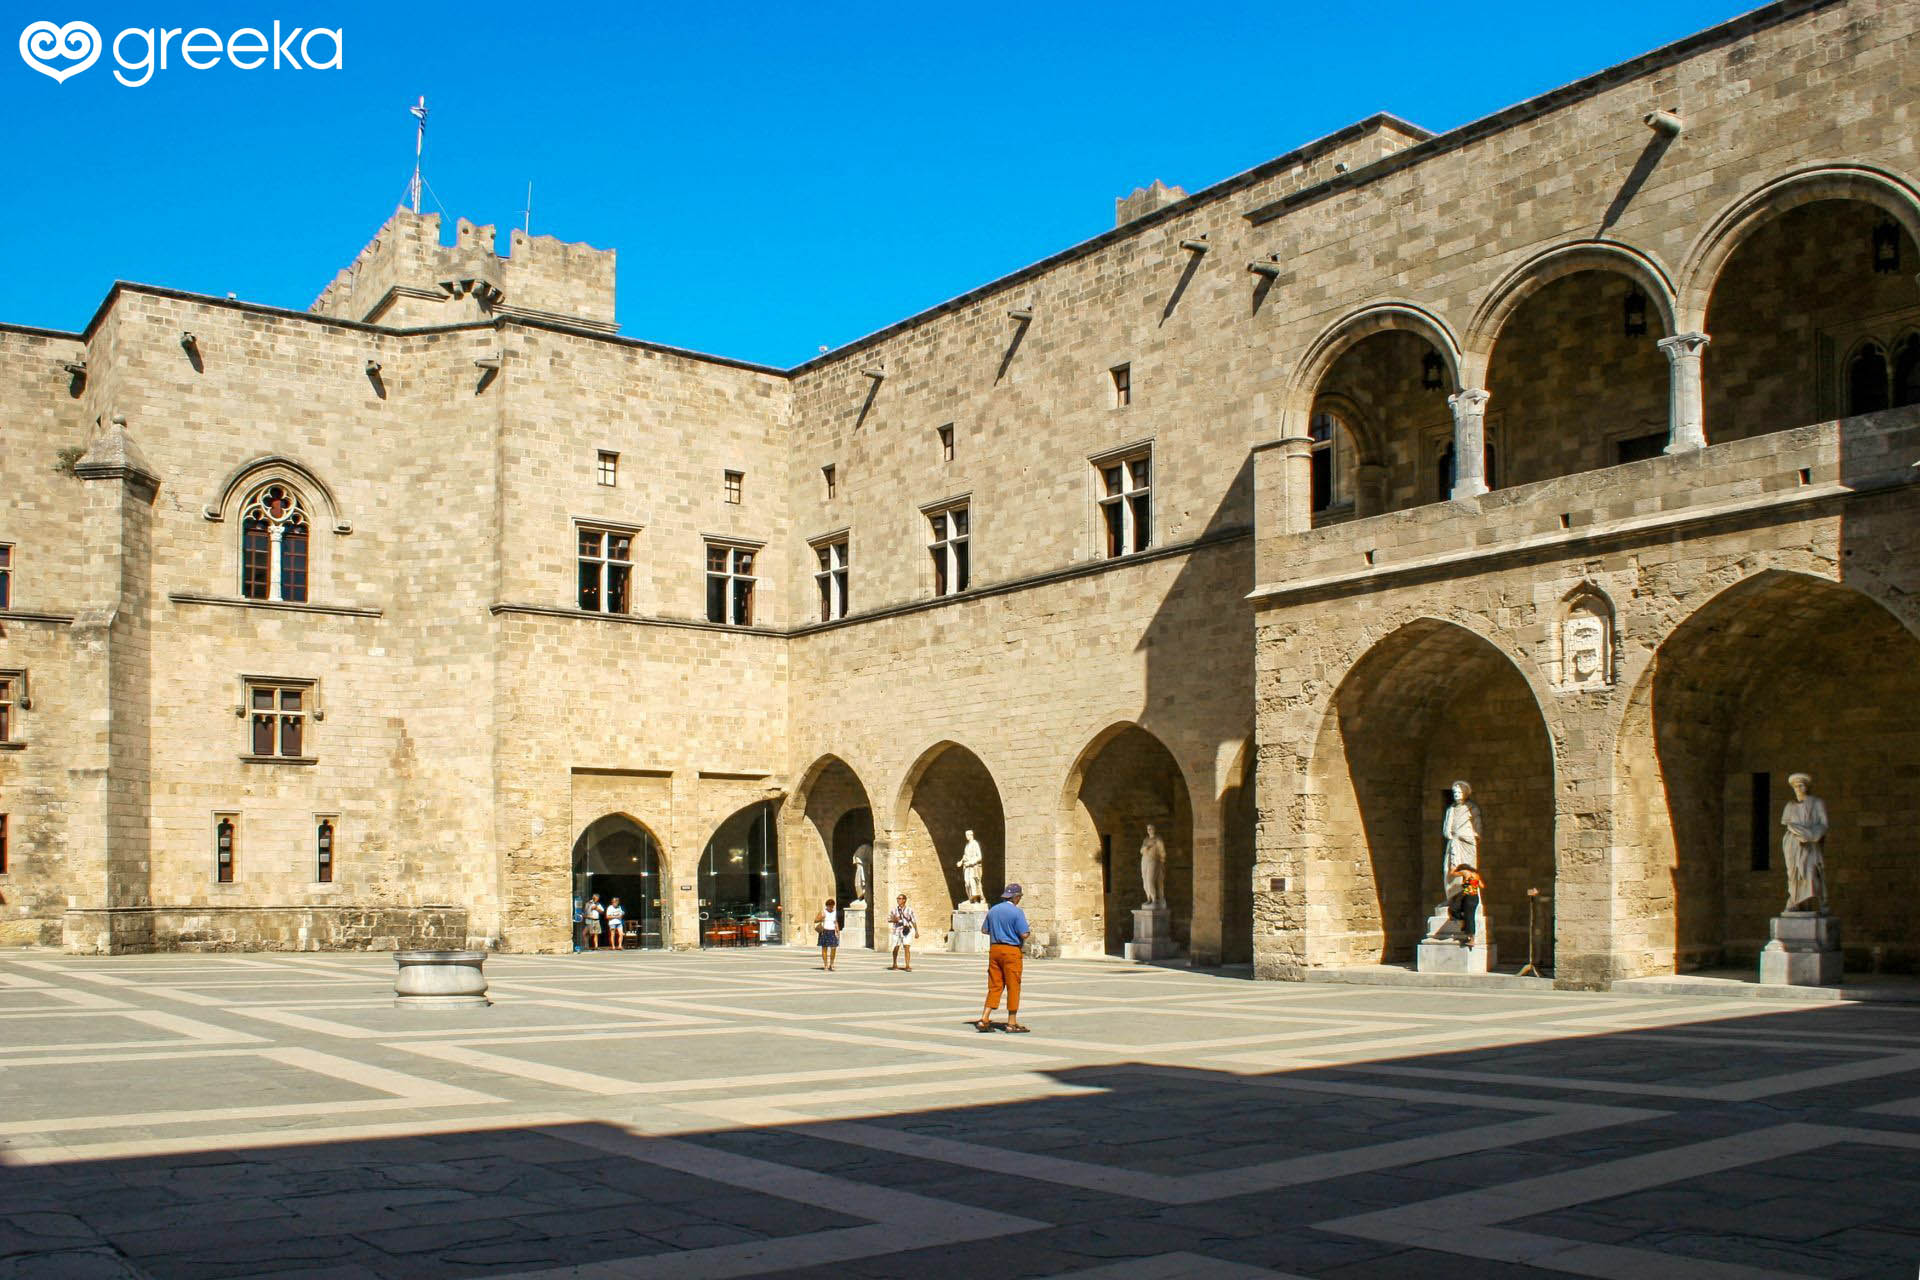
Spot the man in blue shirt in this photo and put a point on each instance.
(1006, 930)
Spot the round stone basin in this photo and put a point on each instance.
(433, 978)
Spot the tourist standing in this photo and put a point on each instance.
(827, 924)
(594, 913)
(904, 927)
(1006, 929)
(616, 925)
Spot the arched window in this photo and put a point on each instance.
(1906, 371)
(273, 545)
(1867, 380)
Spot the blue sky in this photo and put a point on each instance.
(776, 178)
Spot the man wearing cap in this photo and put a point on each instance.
(1006, 929)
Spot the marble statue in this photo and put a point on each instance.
(971, 863)
(1153, 869)
(860, 857)
(1805, 819)
(1461, 828)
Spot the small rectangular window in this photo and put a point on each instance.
(323, 851)
(608, 468)
(736, 484)
(948, 546)
(605, 570)
(827, 474)
(730, 584)
(1760, 838)
(946, 443)
(1126, 503)
(6, 708)
(831, 578)
(277, 719)
(4, 864)
(223, 833)
(1122, 385)
(6, 575)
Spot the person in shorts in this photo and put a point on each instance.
(616, 925)
(827, 924)
(595, 913)
(904, 927)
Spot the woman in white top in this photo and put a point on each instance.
(904, 927)
(827, 922)
(616, 925)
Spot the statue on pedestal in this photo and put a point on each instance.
(1461, 828)
(971, 863)
(1153, 869)
(860, 857)
(1805, 819)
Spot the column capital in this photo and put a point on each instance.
(1682, 346)
(1471, 400)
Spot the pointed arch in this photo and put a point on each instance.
(249, 476)
(1335, 339)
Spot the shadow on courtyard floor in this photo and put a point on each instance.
(1707, 1131)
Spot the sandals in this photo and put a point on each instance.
(1018, 1027)
(983, 1025)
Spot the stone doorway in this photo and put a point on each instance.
(739, 881)
(616, 857)
(1125, 780)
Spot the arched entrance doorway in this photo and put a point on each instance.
(947, 793)
(833, 805)
(1782, 673)
(1430, 704)
(739, 881)
(616, 857)
(1123, 782)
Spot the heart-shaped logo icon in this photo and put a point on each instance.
(78, 41)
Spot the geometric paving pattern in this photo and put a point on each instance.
(745, 1114)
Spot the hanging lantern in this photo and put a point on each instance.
(1635, 318)
(1886, 247)
(1432, 370)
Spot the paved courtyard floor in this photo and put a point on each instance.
(746, 1114)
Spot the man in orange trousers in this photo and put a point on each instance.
(1006, 930)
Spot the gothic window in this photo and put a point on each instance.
(1867, 380)
(949, 546)
(831, 578)
(274, 534)
(1126, 502)
(606, 570)
(1906, 378)
(277, 716)
(730, 583)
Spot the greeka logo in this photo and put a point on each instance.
(62, 52)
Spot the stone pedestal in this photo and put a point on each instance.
(1805, 951)
(434, 979)
(1446, 955)
(853, 928)
(966, 936)
(1441, 950)
(1152, 935)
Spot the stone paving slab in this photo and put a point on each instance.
(747, 1114)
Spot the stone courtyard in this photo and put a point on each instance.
(709, 1114)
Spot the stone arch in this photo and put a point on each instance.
(1779, 672)
(249, 476)
(738, 880)
(829, 817)
(617, 854)
(1429, 702)
(1554, 264)
(1123, 779)
(1349, 330)
(947, 791)
(1888, 192)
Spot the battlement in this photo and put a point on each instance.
(406, 277)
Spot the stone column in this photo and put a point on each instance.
(1469, 443)
(1296, 484)
(1686, 409)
